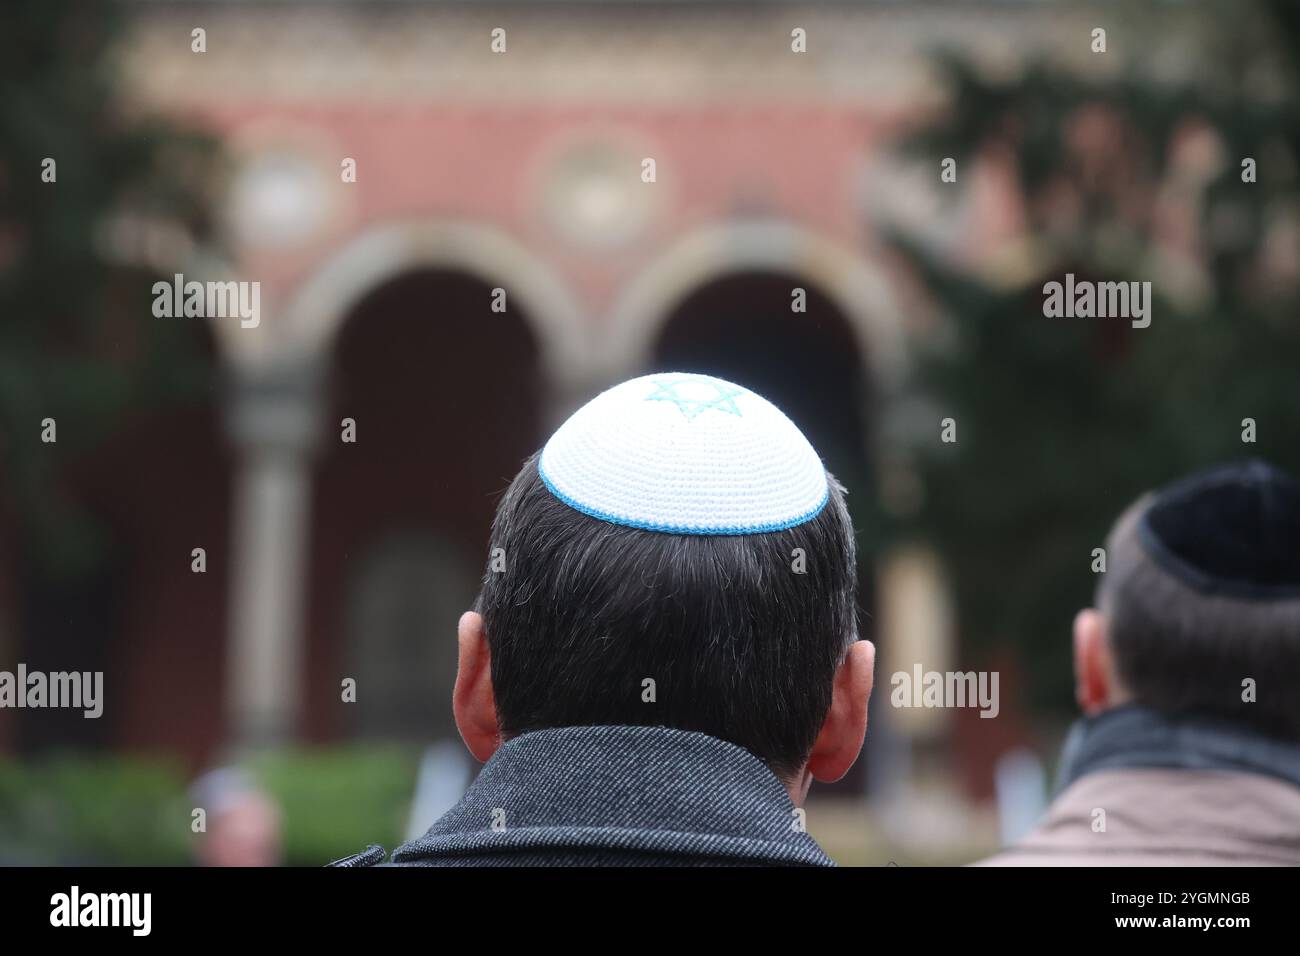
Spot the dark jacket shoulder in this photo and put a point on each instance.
(373, 855)
(615, 796)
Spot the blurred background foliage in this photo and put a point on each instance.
(338, 801)
(113, 810)
(92, 810)
(75, 265)
(1063, 420)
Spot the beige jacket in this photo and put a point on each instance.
(1165, 818)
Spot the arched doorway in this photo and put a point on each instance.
(445, 395)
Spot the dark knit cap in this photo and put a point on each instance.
(1232, 531)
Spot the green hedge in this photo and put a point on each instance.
(337, 801)
(118, 810)
(95, 810)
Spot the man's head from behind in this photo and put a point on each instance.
(1198, 612)
(675, 556)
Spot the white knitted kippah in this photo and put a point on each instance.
(685, 454)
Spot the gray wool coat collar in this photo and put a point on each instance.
(619, 796)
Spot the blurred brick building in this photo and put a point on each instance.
(505, 148)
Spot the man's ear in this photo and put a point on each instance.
(1094, 671)
(845, 728)
(472, 700)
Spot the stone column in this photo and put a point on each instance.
(273, 419)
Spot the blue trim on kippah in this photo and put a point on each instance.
(683, 529)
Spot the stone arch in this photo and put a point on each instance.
(322, 304)
(856, 286)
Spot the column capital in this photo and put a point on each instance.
(275, 406)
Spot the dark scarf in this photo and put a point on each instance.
(1134, 736)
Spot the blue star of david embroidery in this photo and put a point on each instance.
(723, 401)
